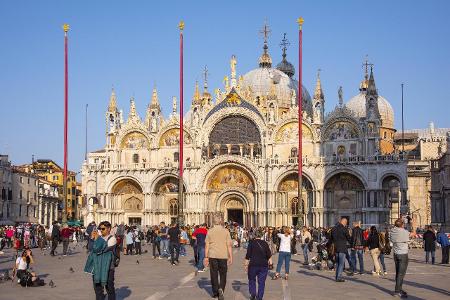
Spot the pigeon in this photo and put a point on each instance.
(71, 270)
(146, 251)
(137, 261)
(59, 257)
(51, 284)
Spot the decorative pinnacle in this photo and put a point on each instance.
(300, 22)
(181, 25)
(284, 44)
(65, 27)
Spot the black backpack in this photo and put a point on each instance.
(115, 253)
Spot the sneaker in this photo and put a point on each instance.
(385, 273)
(159, 257)
(221, 294)
(340, 280)
(174, 264)
(201, 270)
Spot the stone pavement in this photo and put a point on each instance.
(157, 279)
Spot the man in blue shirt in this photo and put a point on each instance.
(442, 239)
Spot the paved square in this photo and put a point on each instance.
(157, 279)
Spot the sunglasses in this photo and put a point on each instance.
(102, 228)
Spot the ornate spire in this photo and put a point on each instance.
(365, 82)
(284, 65)
(196, 98)
(265, 61)
(206, 96)
(318, 93)
(154, 103)
(112, 107)
(133, 116)
(341, 97)
(371, 87)
(233, 63)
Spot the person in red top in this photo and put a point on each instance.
(199, 236)
(9, 236)
(66, 232)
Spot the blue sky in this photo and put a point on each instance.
(133, 46)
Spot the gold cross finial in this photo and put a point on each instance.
(265, 31)
(366, 65)
(300, 22)
(181, 25)
(65, 27)
(318, 72)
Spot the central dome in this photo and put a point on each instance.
(261, 81)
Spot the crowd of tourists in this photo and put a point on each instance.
(340, 248)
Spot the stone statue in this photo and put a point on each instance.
(225, 80)
(174, 105)
(341, 97)
(217, 93)
(293, 98)
(195, 122)
(233, 63)
(154, 125)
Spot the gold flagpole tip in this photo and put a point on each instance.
(300, 22)
(65, 27)
(181, 25)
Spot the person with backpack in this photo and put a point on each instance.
(130, 241)
(138, 238)
(442, 239)
(102, 261)
(357, 247)
(305, 241)
(55, 238)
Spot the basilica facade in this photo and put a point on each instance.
(240, 156)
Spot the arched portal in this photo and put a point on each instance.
(288, 187)
(344, 195)
(128, 195)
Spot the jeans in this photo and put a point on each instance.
(201, 257)
(98, 288)
(218, 267)
(182, 249)
(445, 254)
(427, 256)
(137, 248)
(305, 253)
(165, 248)
(340, 261)
(129, 249)
(286, 257)
(360, 253)
(382, 262)
(54, 245)
(174, 251)
(401, 264)
(156, 247)
(347, 257)
(260, 273)
(65, 242)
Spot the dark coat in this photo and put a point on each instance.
(357, 238)
(429, 239)
(340, 237)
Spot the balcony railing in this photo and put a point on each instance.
(321, 160)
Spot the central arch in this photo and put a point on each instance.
(128, 195)
(234, 205)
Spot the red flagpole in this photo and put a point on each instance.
(300, 114)
(66, 111)
(181, 144)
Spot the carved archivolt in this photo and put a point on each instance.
(134, 137)
(231, 161)
(341, 129)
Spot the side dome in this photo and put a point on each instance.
(357, 105)
(262, 80)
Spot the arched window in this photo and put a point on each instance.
(173, 207)
(135, 158)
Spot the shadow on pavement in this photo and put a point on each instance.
(123, 292)
(205, 284)
(424, 286)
